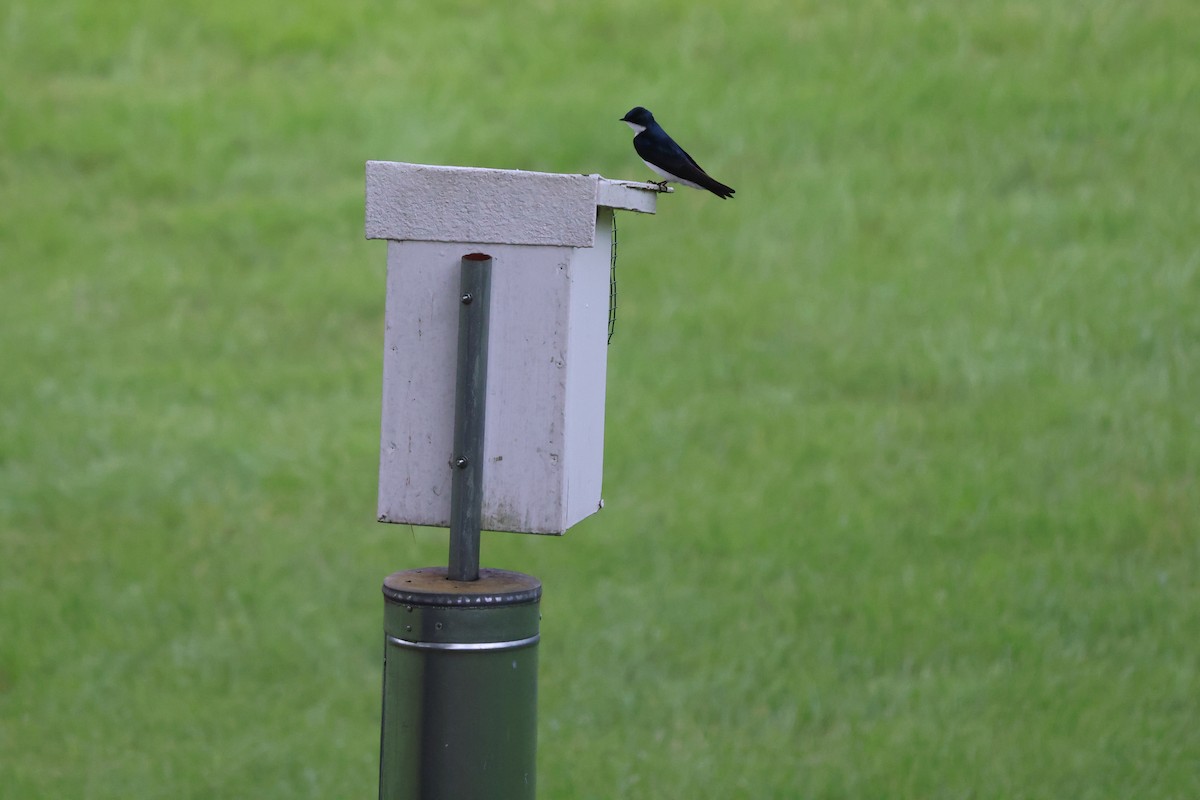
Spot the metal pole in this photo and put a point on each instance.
(459, 686)
(470, 397)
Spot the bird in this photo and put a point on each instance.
(660, 153)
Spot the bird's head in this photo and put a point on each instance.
(638, 118)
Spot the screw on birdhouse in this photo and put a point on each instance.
(467, 298)
(459, 463)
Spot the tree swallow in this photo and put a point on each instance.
(660, 153)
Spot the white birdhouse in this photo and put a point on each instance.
(550, 238)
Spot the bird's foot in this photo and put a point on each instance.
(662, 185)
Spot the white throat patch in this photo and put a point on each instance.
(636, 128)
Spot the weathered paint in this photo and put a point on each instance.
(427, 203)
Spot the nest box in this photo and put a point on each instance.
(550, 239)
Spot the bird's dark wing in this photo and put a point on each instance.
(662, 151)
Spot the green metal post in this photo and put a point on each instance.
(470, 395)
(459, 686)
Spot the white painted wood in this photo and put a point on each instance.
(524, 441)
(587, 368)
(547, 353)
(628, 195)
(420, 202)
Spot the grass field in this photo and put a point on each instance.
(903, 456)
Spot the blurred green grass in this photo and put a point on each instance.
(903, 443)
